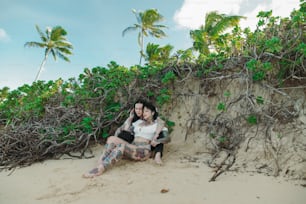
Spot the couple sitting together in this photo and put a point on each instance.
(142, 134)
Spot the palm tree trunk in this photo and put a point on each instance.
(141, 48)
(41, 66)
(140, 59)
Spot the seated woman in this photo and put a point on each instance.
(139, 150)
(125, 134)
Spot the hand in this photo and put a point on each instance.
(154, 143)
(132, 113)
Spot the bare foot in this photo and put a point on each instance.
(93, 173)
(157, 159)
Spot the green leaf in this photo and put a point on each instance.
(259, 100)
(252, 119)
(227, 94)
(221, 107)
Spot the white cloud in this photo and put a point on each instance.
(192, 13)
(4, 37)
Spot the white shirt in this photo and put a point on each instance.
(146, 132)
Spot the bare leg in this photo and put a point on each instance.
(109, 157)
(94, 172)
(136, 153)
(109, 147)
(115, 140)
(158, 159)
(99, 169)
(111, 143)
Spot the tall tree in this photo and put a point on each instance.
(208, 34)
(53, 41)
(146, 26)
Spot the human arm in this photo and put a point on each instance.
(118, 130)
(164, 138)
(159, 128)
(126, 125)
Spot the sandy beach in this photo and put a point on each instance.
(177, 181)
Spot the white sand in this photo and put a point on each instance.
(59, 181)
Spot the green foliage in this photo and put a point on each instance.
(279, 136)
(170, 124)
(164, 96)
(221, 106)
(252, 119)
(210, 63)
(258, 69)
(87, 124)
(66, 129)
(169, 77)
(259, 100)
(227, 94)
(301, 48)
(184, 56)
(104, 135)
(222, 139)
(29, 101)
(279, 42)
(211, 35)
(274, 45)
(212, 135)
(156, 55)
(4, 93)
(148, 71)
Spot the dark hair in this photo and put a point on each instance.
(135, 118)
(150, 106)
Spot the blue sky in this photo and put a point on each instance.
(95, 29)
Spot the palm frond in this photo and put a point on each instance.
(210, 19)
(64, 50)
(41, 34)
(66, 44)
(62, 56)
(138, 16)
(58, 33)
(160, 26)
(158, 33)
(225, 23)
(34, 44)
(53, 53)
(129, 29)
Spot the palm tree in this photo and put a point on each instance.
(208, 34)
(54, 41)
(4, 92)
(156, 54)
(146, 25)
